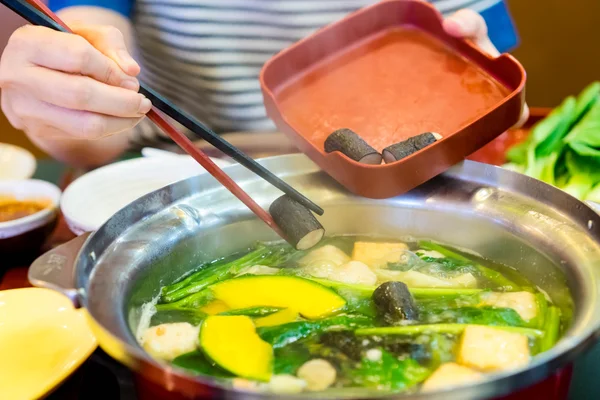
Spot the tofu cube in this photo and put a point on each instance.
(378, 254)
(523, 303)
(451, 374)
(491, 349)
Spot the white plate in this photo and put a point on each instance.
(92, 199)
(15, 162)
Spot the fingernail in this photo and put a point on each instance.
(131, 84)
(145, 106)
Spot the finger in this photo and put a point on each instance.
(470, 25)
(70, 123)
(83, 93)
(70, 53)
(110, 42)
(8, 111)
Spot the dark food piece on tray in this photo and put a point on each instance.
(411, 145)
(301, 228)
(353, 146)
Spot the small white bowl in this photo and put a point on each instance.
(92, 199)
(27, 234)
(16, 162)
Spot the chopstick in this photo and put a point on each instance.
(39, 14)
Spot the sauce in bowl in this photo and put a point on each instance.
(12, 209)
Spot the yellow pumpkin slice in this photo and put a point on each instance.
(279, 318)
(232, 343)
(311, 299)
(215, 307)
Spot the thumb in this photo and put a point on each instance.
(468, 24)
(110, 42)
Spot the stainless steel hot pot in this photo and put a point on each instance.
(550, 237)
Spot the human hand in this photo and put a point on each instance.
(82, 86)
(470, 25)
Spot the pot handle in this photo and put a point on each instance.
(55, 269)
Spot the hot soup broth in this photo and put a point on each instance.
(353, 314)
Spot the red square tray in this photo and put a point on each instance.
(389, 72)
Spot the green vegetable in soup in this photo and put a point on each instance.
(162, 316)
(275, 255)
(489, 274)
(365, 291)
(473, 315)
(452, 328)
(253, 311)
(282, 335)
(551, 329)
(291, 357)
(197, 364)
(424, 325)
(386, 373)
(195, 300)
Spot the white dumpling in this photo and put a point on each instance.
(326, 254)
(318, 374)
(168, 341)
(354, 272)
(322, 262)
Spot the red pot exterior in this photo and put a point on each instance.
(555, 387)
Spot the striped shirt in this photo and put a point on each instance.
(206, 55)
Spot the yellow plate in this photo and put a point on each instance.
(43, 339)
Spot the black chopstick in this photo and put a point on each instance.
(36, 17)
(217, 141)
